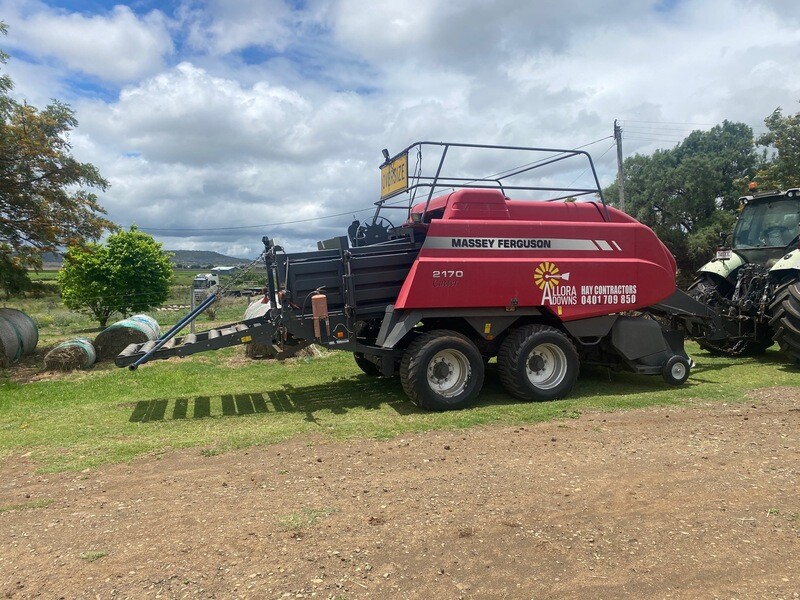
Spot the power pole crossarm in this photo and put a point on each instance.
(620, 176)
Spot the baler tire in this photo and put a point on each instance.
(676, 370)
(369, 368)
(785, 321)
(458, 356)
(556, 363)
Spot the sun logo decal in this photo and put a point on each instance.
(547, 276)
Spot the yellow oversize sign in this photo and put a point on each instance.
(394, 176)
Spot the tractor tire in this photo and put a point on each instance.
(442, 370)
(369, 368)
(537, 362)
(700, 288)
(785, 321)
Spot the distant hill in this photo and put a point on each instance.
(203, 258)
(50, 260)
(190, 258)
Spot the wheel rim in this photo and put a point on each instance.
(546, 366)
(678, 371)
(448, 373)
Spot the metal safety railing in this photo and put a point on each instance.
(419, 179)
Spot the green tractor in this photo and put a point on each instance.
(754, 284)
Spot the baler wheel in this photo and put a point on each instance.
(537, 362)
(676, 370)
(442, 370)
(369, 368)
(785, 321)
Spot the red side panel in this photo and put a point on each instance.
(561, 256)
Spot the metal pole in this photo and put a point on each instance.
(191, 305)
(173, 332)
(620, 176)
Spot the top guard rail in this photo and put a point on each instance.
(397, 179)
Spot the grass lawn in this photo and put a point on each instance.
(221, 400)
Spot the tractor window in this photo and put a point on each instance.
(774, 223)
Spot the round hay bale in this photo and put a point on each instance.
(257, 308)
(70, 355)
(118, 336)
(258, 351)
(254, 350)
(18, 335)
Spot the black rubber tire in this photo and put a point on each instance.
(785, 320)
(369, 368)
(697, 290)
(676, 370)
(545, 345)
(454, 352)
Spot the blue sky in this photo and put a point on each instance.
(207, 115)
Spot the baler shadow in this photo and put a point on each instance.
(361, 392)
(336, 396)
(595, 381)
(706, 361)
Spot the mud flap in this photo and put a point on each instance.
(644, 345)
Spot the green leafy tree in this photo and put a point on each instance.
(130, 273)
(688, 194)
(13, 275)
(781, 168)
(45, 202)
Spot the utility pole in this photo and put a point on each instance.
(620, 177)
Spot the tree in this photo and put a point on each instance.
(780, 170)
(688, 194)
(44, 201)
(129, 273)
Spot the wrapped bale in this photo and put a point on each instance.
(137, 329)
(254, 350)
(18, 335)
(70, 355)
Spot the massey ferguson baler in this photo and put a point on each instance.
(469, 275)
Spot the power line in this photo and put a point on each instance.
(684, 123)
(349, 212)
(658, 129)
(294, 222)
(582, 173)
(654, 138)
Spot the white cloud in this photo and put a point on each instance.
(186, 115)
(214, 140)
(117, 46)
(220, 27)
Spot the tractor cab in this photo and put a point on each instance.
(768, 226)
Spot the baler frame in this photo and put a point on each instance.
(371, 292)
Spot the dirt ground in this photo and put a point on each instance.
(698, 502)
